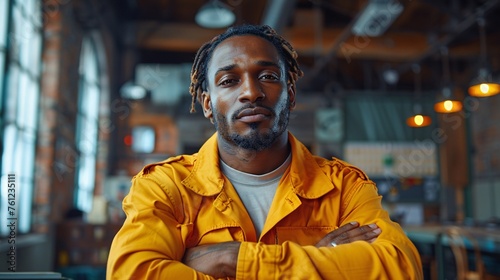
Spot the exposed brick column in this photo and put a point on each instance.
(48, 117)
(56, 155)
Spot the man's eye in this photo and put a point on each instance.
(269, 77)
(227, 82)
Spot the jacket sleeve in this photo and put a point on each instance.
(151, 243)
(391, 256)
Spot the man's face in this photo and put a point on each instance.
(248, 98)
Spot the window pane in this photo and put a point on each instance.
(84, 200)
(91, 121)
(21, 103)
(2, 62)
(88, 172)
(16, 33)
(32, 11)
(32, 106)
(88, 67)
(86, 177)
(26, 46)
(143, 139)
(87, 126)
(34, 54)
(28, 157)
(4, 4)
(20, 4)
(88, 132)
(19, 155)
(22, 98)
(93, 102)
(12, 96)
(25, 192)
(8, 157)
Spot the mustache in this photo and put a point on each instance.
(234, 116)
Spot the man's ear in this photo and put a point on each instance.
(206, 104)
(291, 96)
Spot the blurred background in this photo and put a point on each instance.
(91, 91)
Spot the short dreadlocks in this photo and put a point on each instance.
(204, 54)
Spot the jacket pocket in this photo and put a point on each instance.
(219, 234)
(302, 235)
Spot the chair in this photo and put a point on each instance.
(456, 239)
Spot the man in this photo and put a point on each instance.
(253, 203)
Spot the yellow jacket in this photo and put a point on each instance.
(185, 201)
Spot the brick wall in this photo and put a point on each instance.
(56, 150)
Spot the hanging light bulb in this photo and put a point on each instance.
(447, 104)
(418, 120)
(483, 85)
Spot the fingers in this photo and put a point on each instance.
(349, 233)
(344, 230)
(218, 260)
(366, 233)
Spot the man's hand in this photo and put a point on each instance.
(349, 233)
(217, 260)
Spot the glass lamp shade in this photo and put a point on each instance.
(418, 121)
(483, 85)
(215, 14)
(484, 89)
(448, 106)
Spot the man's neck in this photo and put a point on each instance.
(255, 162)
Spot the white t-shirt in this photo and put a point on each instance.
(256, 191)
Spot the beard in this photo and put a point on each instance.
(257, 139)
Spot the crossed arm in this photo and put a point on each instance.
(220, 260)
(152, 245)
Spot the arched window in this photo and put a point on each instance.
(20, 70)
(87, 124)
(4, 16)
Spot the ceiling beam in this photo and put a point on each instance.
(184, 37)
(396, 46)
(393, 47)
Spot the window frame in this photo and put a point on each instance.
(21, 75)
(89, 86)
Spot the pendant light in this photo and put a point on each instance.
(418, 119)
(215, 14)
(483, 85)
(446, 103)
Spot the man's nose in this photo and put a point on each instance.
(251, 91)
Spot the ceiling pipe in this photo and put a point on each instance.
(321, 63)
(347, 33)
(447, 39)
(277, 13)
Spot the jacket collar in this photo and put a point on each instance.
(304, 175)
(307, 177)
(206, 178)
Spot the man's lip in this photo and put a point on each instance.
(253, 112)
